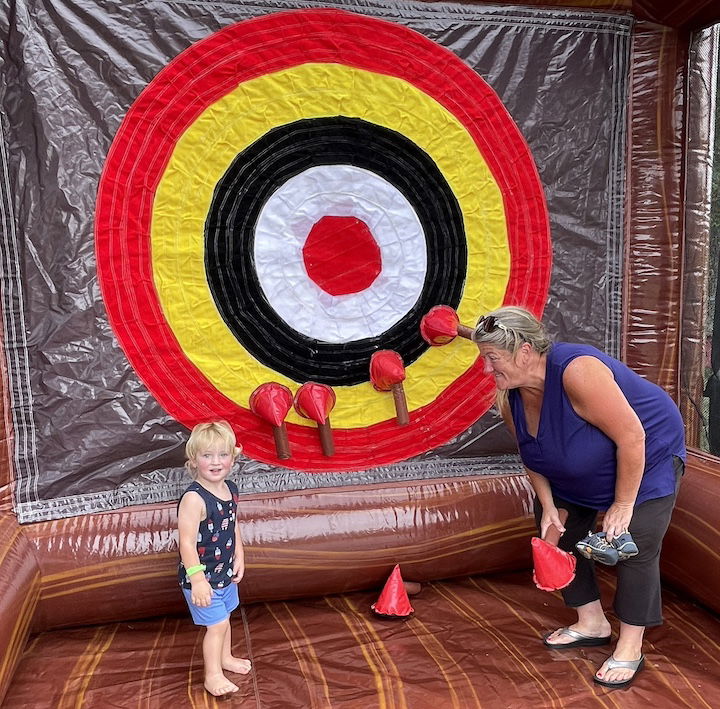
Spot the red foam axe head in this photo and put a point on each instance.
(271, 402)
(387, 373)
(393, 601)
(315, 401)
(553, 568)
(441, 325)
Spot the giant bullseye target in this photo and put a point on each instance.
(291, 195)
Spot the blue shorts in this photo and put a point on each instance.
(223, 602)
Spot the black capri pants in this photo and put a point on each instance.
(638, 599)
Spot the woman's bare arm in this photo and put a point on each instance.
(596, 397)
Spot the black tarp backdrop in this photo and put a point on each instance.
(88, 435)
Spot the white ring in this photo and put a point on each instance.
(284, 224)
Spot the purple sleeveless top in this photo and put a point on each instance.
(577, 458)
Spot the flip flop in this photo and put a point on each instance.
(612, 664)
(579, 641)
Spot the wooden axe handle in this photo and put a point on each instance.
(401, 409)
(326, 439)
(282, 444)
(465, 331)
(553, 534)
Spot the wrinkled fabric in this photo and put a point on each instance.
(88, 434)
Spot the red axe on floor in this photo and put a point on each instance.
(393, 601)
(441, 325)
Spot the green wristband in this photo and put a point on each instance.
(194, 569)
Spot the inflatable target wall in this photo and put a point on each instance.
(224, 211)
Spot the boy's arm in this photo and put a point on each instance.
(190, 513)
(239, 561)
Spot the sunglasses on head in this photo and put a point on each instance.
(489, 323)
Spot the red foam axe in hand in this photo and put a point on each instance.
(387, 373)
(554, 568)
(315, 401)
(441, 325)
(271, 402)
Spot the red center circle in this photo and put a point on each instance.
(341, 255)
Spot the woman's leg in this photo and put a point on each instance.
(583, 593)
(591, 623)
(638, 601)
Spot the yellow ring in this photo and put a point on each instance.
(205, 152)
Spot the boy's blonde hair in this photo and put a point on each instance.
(208, 435)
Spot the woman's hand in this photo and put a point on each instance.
(550, 517)
(617, 519)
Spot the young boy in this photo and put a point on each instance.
(212, 561)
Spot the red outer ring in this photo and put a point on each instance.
(202, 75)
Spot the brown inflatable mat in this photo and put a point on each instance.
(472, 642)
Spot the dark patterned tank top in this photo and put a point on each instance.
(216, 536)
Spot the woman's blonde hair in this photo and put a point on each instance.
(508, 328)
(208, 435)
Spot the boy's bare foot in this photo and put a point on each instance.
(237, 665)
(218, 685)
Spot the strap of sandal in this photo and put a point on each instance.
(613, 664)
(573, 634)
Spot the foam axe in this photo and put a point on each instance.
(553, 568)
(393, 601)
(441, 325)
(387, 373)
(271, 402)
(315, 401)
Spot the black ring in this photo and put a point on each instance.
(257, 172)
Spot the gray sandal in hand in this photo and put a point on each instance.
(613, 664)
(596, 547)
